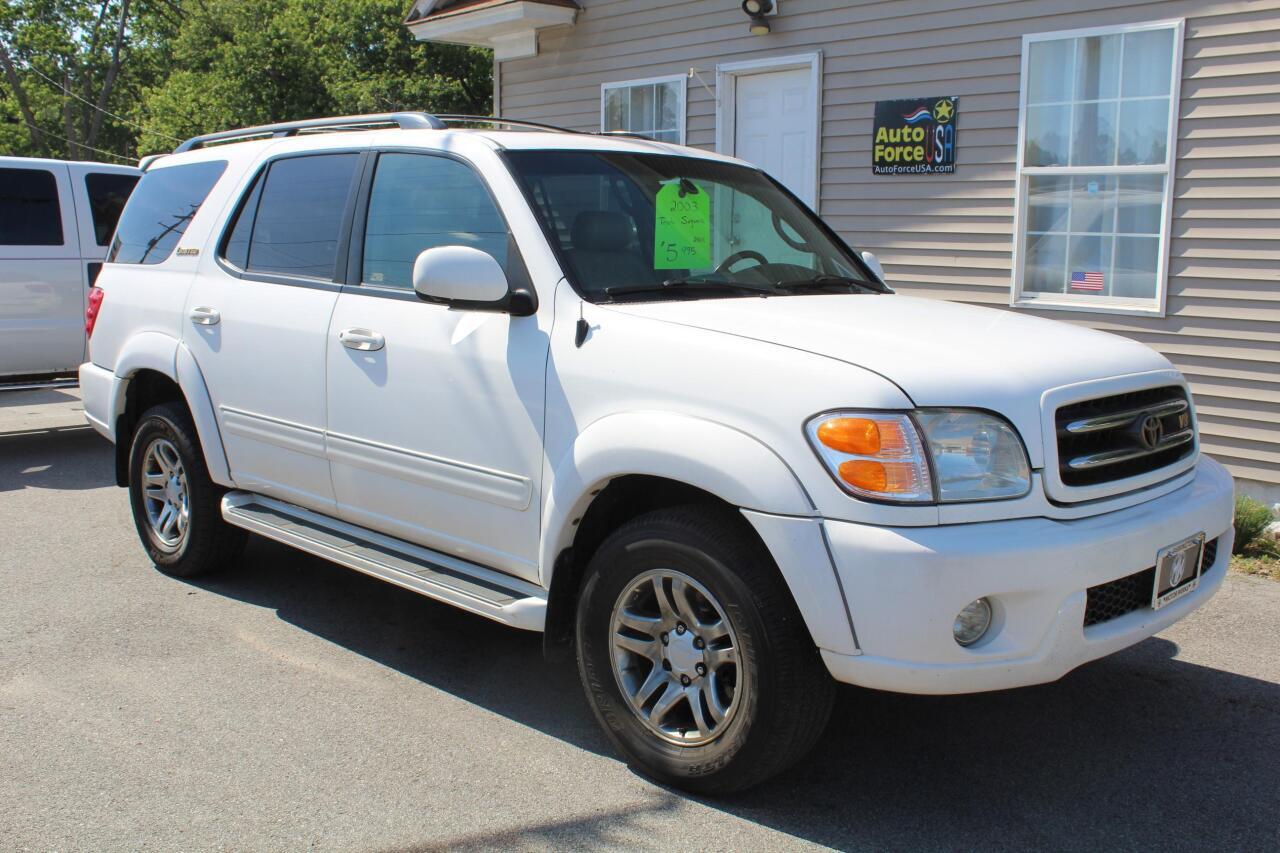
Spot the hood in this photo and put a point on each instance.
(939, 353)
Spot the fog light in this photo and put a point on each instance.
(972, 622)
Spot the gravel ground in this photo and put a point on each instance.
(291, 704)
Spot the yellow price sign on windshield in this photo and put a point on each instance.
(682, 227)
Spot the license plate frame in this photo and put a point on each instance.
(1172, 581)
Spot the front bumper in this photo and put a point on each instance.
(904, 587)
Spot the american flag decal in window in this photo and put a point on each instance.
(1086, 281)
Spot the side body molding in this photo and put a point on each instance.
(714, 457)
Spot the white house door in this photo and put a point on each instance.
(775, 120)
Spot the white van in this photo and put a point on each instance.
(639, 398)
(56, 220)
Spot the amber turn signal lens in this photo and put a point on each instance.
(884, 477)
(855, 436)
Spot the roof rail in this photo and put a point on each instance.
(509, 122)
(405, 121)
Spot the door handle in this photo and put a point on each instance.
(203, 315)
(361, 340)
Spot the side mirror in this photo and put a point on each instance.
(461, 276)
(874, 263)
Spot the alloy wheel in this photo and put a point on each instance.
(676, 658)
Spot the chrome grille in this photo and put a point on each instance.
(1124, 435)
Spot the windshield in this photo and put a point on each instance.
(657, 226)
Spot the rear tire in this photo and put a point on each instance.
(684, 607)
(176, 506)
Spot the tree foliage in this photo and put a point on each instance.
(65, 64)
(185, 67)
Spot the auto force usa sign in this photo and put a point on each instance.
(915, 137)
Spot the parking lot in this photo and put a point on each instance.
(292, 704)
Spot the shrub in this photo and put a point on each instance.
(1252, 518)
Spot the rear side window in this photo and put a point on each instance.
(298, 222)
(108, 191)
(29, 211)
(418, 202)
(160, 209)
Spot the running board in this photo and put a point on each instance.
(39, 384)
(466, 585)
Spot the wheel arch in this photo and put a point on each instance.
(623, 466)
(155, 368)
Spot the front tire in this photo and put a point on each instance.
(176, 506)
(693, 654)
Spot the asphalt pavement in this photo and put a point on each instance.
(291, 704)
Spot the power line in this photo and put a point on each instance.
(100, 109)
(79, 144)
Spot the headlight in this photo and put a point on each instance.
(963, 456)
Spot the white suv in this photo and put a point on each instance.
(637, 397)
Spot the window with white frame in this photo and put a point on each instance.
(1095, 170)
(652, 108)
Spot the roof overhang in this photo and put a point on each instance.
(509, 27)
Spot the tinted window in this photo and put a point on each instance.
(160, 209)
(29, 210)
(107, 194)
(299, 220)
(236, 248)
(418, 202)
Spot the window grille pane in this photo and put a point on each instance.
(1097, 68)
(1093, 204)
(1141, 200)
(1044, 270)
(1093, 139)
(616, 107)
(641, 120)
(668, 107)
(1089, 257)
(1144, 131)
(1137, 259)
(1148, 57)
(1048, 131)
(1048, 202)
(1050, 71)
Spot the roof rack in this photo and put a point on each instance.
(405, 121)
(506, 122)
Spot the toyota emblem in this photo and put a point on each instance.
(1151, 432)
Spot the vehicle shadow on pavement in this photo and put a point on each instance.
(64, 459)
(1139, 750)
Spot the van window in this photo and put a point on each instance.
(160, 209)
(299, 217)
(29, 211)
(420, 201)
(108, 191)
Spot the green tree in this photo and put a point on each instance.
(130, 77)
(71, 72)
(244, 62)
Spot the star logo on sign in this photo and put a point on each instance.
(942, 111)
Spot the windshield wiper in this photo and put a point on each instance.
(682, 283)
(826, 281)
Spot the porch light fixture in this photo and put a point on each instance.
(756, 10)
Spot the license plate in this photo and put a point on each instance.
(1177, 570)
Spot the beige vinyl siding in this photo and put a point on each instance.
(950, 237)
